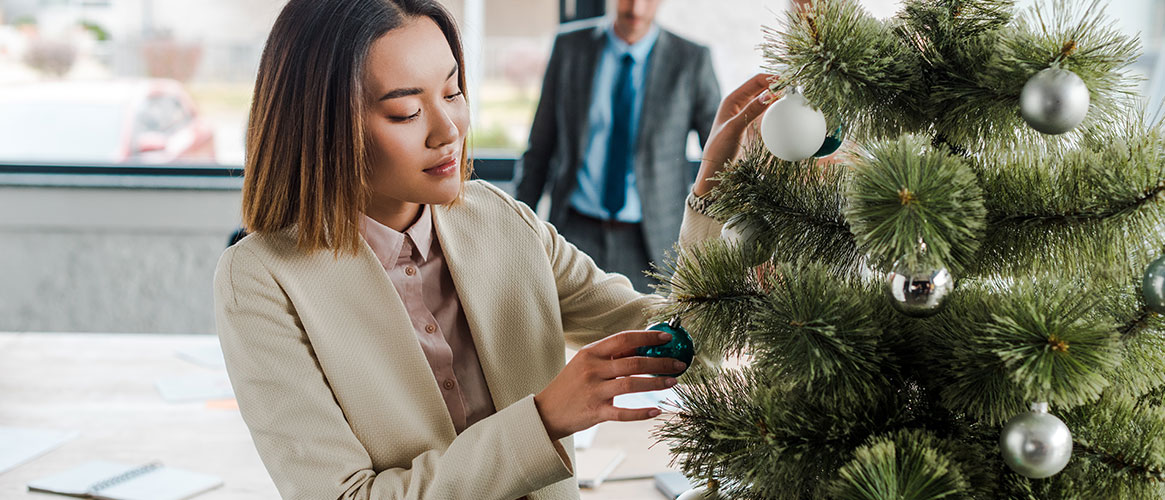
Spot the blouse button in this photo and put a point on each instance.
(430, 328)
(410, 270)
(448, 384)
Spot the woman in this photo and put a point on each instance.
(391, 329)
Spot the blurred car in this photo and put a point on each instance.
(151, 121)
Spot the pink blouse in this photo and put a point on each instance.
(416, 266)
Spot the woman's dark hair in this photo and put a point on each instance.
(307, 161)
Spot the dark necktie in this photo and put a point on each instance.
(619, 144)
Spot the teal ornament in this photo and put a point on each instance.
(832, 142)
(1153, 286)
(679, 347)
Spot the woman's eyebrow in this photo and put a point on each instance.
(404, 92)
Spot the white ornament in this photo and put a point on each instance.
(697, 493)
(738, 231)
(1054, 101)
(1036, 444)
(744, 233)
(792, 129)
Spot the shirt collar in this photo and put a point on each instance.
(638, 50)
(387, 242)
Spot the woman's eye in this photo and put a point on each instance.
(405, 118)
(451, 97)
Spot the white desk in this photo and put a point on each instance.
(102, 385)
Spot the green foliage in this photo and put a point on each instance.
(906, 197)
(1142, 369)
(905, 466)
(99, 32)
(820, 333)
(762, 438)
(801, 203)
(1012, 343)
(1056, 349)
(713, 288)
(1082, 40)
(852, 67)
(1119, 449)
(1047, 236)
(1092, 210)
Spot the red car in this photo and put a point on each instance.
(152, 121)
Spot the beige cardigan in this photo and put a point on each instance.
(332, 382)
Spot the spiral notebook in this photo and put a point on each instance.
(104, 480)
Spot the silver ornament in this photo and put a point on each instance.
(1054, 101)
(1036, 444)
(743, 232)
(918, 293)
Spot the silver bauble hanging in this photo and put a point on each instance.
(1054, 101)
(1036, 444)
(744, 233)
(918, 293)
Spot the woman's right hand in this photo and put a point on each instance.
(583, 393)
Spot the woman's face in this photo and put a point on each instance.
(416, 118)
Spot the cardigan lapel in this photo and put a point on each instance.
(475, 275)
(382, 322)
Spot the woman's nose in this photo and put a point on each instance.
(444, 131)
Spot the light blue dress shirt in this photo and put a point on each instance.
(588, 195)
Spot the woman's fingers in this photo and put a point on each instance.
(641, 365)
(628, 385)
(624, 342)
(629, 414)
(742, 95)
(753, 110)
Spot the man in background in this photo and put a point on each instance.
(609, 137)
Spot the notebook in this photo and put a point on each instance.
(593, 465)
(116, 481)
(672, 484)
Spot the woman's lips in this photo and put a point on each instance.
(447, 168)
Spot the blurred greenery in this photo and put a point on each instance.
(100, 33)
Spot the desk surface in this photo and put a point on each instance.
(102, 385)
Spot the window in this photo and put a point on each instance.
(507, 45)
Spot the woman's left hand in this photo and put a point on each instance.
(739, 110)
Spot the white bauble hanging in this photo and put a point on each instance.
(1054, 101)
(697, 493)
(792, 129)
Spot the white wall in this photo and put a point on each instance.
(111, 260)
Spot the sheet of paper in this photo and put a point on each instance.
(199, 387)
(209, 356)
(584, 438)
(19, 445)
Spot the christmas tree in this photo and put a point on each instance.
(963, 301)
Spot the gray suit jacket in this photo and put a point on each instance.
(680, 95)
